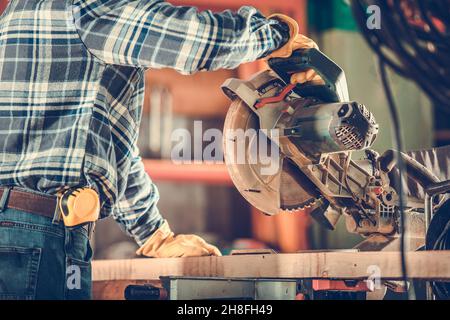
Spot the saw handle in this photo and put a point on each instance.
(335, 87)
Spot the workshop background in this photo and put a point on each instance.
(200, 198)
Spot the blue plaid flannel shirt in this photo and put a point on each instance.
(72, 87)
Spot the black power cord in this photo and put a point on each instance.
(400, 165)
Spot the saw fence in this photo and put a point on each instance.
(112, 276)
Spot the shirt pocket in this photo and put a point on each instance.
(19, 269)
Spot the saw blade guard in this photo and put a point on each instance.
(266, 178)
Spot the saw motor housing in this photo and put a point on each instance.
(315, 129)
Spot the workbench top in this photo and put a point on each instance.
(336, 265)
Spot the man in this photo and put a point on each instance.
(71, 92)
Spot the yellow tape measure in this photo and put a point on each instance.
(79, 206)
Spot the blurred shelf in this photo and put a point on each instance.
(3, 4)
(195, 96)
(207, 173)
(442, 135)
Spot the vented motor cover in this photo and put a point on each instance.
(319, 129)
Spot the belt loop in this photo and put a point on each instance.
(91, 228)
(68, 242)
(4, 199)
(57, 214)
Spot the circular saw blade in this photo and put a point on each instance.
(285, 189)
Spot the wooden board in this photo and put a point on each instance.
(341, 265)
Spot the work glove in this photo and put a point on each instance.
(296, 41)
(164, 244)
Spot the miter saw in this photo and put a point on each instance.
(315, 130)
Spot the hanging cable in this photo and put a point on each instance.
(398, 145)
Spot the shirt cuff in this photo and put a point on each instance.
(147, 229)
(280, 35)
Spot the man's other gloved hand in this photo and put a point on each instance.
(296, 41)
(164, 244)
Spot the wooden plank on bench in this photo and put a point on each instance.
(340, 265)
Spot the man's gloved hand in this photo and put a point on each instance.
(164, 244)
(296, 41)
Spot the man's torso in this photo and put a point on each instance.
(66, 118)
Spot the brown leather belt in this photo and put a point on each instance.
(19, 199)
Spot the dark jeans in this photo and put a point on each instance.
(41, 260)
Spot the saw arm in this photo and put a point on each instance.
(307, 134)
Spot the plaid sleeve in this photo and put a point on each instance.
(156, 34)
(136, 210)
